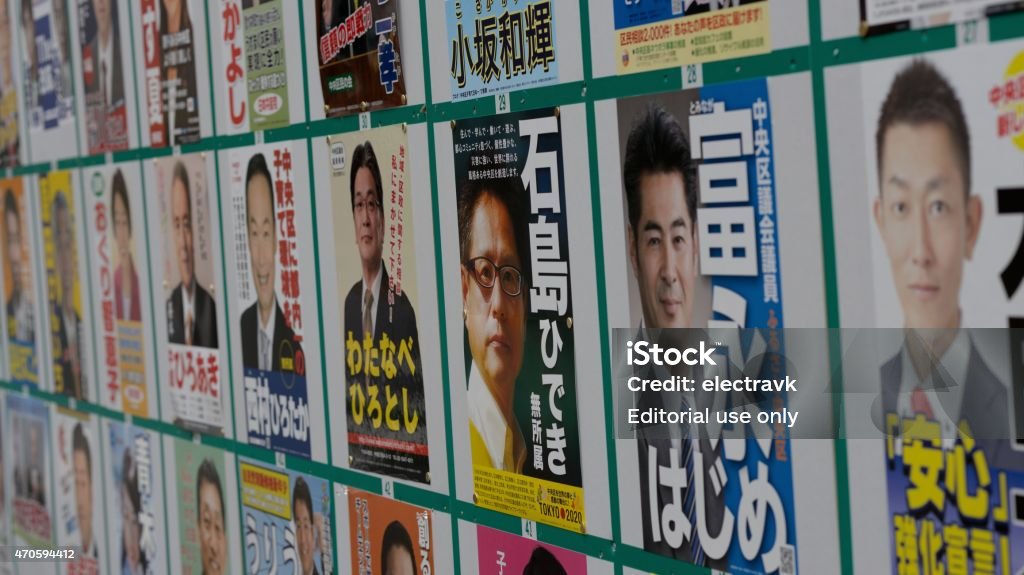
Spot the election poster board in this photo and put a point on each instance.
(20, 296)
(359, 55)
(203, 508)
(930, 184)
(6, 491)
(276, 346)
(498, 47)
(32, 524)
(287, 517)
(78, 482)
(46, 61)
(672, 33)
(386, 536)
(70, 349)
(190, 305)
(878, 16)
(499, 552)
(133, 476)
(519, 357)
(379, 296)
(115, 213)
(106, 75)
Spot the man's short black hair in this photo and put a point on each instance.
(365, 157)
(11, 204)
(258, 167)
(657, 144)
(119, 189)
(302, 495)
(395, 535)
(80, 443)
(207, 473)
(180, 173)
(510, 193)
(921, 95)
(543, 562)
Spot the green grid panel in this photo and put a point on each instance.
(814, 57)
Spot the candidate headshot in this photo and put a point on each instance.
(368, 309)
(127, 305)
(543, 562)
(661, 202)
(133, 559)
(178, 70)
(305, 527)
(925, 212)
(105, 53)
(211, 518)
(191, 312)
(396, 552)
(20, 315)
(67, 330)
(82, 466)
(268, 342)
(494, 247)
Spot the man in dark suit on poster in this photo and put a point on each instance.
(105, 56)
(268, 342)
(66, 323)
(191, 311)
(366, 306)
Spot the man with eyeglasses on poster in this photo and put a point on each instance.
(369, 307)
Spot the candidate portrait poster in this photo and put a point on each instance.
(6, 494)
(173, 45)
(20, 297)
(359, 55)
(287, 521)
(10, 139)
(499, 552)
(195, 379)
(697, 201)
(388, 536)
(889, 15)
(32, 522)
(135, 519)
(671, 33)
(519, 356)
(119, 270)
(272, 285)
(70, 349)
(205, 521)
(46, 60)
(936, 143)
(499, 47)
(105, 53)
(378, 285)
(253, 64)
(79, 512)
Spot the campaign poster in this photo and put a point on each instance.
(190, 295)
(171, 62)
(657, 34)
(287, 521)
(890, 15)
(135, 518)
(268, 295)
(33, 524)
(10, 140)
(79, 514)
(499, 552)
(498, 47)
(103, 74)
(6, 566)
(388, 536)
(939, 140)
(359, 55)
(120, 280)
(19, 291)
(204, 493)
(46, 55)
(68, 341)
(519, 355)
(377, 281)
(266, 76)
(699, 202)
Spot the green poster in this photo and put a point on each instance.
(265, 63)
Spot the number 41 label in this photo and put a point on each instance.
(530, 529)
